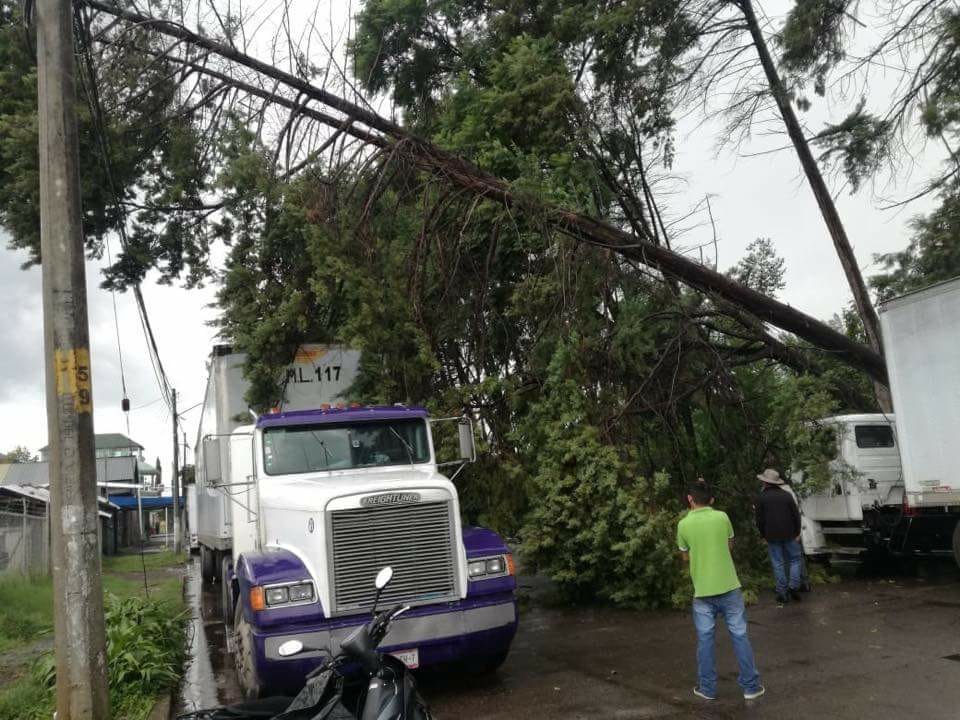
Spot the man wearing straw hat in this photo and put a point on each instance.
(778, 520)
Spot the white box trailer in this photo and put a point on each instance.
(319, 375)
(921, 333)
(901, 490)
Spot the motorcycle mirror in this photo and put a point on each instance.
(290, 647)
(384, 577)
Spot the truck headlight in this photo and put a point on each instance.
(271, 597)
(496, 566)
(299, 593)
(276, 596)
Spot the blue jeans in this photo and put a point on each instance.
(705, 611)
(784, 554)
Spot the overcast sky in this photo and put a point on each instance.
(751, 197)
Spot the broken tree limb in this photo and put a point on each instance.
(460, 172)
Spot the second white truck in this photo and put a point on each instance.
(895, 481)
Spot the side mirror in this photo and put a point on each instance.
(212, 474)
(384, 577)
(290, 647)
(468, 449)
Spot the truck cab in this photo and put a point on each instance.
(865, 477)
(319, 501)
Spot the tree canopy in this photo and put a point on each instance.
(19, 454)
(601, 386)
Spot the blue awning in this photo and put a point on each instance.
(129, 502)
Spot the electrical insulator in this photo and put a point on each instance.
(125, 404)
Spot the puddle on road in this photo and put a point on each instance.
(208, 679)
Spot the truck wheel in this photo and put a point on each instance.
(956, 543)
(226, 592)
(207, 566)
(243, 656)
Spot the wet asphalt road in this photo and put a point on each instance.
(881, 647)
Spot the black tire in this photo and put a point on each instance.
(208, 568)
(243, 657)
(956, 543)
(421, 709)
(226, 591)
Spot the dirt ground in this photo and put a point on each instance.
(862, 648)
(886, 646)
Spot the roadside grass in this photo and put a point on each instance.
(26, 610)
(136, 562)
(147, 631)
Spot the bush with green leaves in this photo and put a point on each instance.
(145, 654)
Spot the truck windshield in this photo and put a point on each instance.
(874, 436)
(310, 448)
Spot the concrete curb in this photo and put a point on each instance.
(162, 709)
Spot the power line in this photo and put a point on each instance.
(89, 82)
(146, 405)
(116, 326)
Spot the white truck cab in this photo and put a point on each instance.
(864, 475)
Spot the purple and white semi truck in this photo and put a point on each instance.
(300, 509)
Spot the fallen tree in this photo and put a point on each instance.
(375, 130)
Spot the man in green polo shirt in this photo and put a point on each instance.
(705, 537)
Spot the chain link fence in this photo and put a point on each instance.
(24, 536)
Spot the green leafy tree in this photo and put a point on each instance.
(19, 454)
(761, 268)
(139, 150)
(599, 390)
(933, 254)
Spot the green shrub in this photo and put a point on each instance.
(145, 652)
(145, 646)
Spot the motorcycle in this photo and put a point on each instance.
(334, 690)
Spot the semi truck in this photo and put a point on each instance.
(895, 482)
(301, 507)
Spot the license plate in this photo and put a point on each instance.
(410, 658)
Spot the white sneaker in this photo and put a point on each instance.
(701, 694)
(755, 694)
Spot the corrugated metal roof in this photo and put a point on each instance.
(116, 469)
(106, 441)
(23, 474)
(34, 493)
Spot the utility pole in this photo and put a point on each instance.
(175, 481)
(79, 638)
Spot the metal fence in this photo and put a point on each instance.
(24, 536)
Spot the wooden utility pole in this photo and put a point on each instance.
(79, 638)
(175, 481)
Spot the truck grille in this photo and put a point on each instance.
(415, 540)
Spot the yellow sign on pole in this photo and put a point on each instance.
(73, 377)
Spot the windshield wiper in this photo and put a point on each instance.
(323, 446)
(406, 445)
